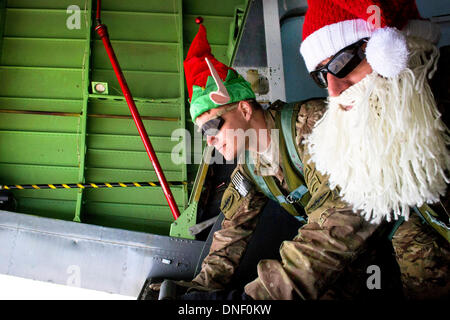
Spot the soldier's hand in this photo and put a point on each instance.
(155, 286)
(151, 288)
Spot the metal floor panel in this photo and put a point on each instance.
(92, 257)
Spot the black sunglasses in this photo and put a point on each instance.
(342, 63)
(213, 126)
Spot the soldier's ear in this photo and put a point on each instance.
(246, 110)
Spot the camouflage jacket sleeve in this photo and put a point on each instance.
(333, 237)
(230, 242)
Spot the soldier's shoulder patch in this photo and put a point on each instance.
(231, 201)
(241, 183)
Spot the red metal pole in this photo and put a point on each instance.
(103, 33)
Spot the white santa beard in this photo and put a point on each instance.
(388, 152)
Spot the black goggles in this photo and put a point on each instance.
(213, 126)
(342, 63)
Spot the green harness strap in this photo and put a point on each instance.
(257, 179)
(294, 177)
(432, 218)
(293, 168)
(397, 225)
(288, 129)
(268, 186)
(428, 216)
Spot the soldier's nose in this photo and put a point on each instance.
(336, 86)
(211, 140)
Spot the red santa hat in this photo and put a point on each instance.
(331, 25)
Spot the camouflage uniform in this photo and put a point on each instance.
(424, 260)
(329, 256)
(423, 256)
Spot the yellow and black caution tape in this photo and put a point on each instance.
(87, 185)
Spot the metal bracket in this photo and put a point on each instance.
(180, 227)
(274, 50)
(199, 227)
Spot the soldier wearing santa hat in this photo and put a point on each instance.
(382, 142)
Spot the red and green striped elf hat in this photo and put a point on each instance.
(211, 83)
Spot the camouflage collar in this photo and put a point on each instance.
(264, 161)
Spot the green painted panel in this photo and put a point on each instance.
(135, 195)
(102, 218)
(167, 110)
(154, 85)
(40, 82)
(127, 160)
(205, 7)
(56, 209)
(40, 104)
(156, 6)
(128, 143)
(215, 27)
(42, 23)
(141, 208)
(65, 53)
(136, 55)
(135, 211)
(34, 174)
(128, 175)
(128, 127)
(33, 148)
(49, 194)
(44, 4)
(141, 26)
(30, 122)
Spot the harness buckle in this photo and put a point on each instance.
(290, 199)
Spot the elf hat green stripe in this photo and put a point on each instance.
(238, 89)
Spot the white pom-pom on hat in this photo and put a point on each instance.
(387, 52)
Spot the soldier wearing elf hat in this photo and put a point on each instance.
(374, 152)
